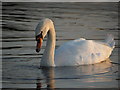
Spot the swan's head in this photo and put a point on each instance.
(41, 31)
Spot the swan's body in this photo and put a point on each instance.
(72, 53)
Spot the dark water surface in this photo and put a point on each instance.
(72, 20)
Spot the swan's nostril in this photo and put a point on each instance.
(37, 50)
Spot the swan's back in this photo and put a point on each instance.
(81, 52)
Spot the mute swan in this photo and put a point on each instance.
(72, 53)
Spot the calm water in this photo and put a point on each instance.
(72, 20)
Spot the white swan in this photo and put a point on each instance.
(72, 53)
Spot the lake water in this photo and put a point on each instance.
(21, 63)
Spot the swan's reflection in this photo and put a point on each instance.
(49, 76)
(57, 77)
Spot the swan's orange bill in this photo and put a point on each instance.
(39, 45)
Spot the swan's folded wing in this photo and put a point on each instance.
(81, 52)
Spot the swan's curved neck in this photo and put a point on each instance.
(48, 55)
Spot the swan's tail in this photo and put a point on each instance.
(110, 40)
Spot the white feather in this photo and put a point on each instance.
(73, 53)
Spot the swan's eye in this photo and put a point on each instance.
(38, 39)
(39, 36)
